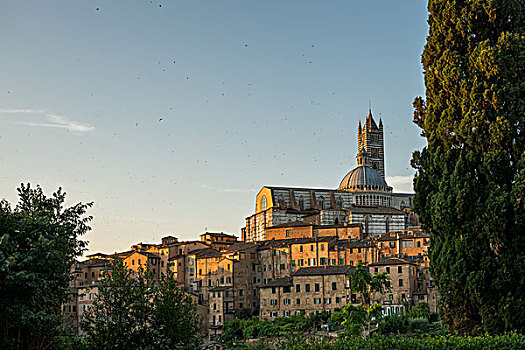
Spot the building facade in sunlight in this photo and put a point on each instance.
(363, 196)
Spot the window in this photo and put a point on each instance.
(287, 301)
(400, 269)
(401, 282)
(273, 302)
(333, 261)
(301, 248)
(317, 287)
(307, 287)
(92, 274)
(288, 233)
(200, 271)
(337, 300)
(273, 290)
(392, 244)
(407, 244)
(282, 267)
(293, 263)
(317, 300)
(327, 300)
(298, 301)
(286, 313)
(287, 289)
(322, 247)
(323, 261)
(376, 270)
(388, 269)
(298, 288)
(301, 202)
(341, 261)
(334, 285)
(273, 314)
(241, 292)
(311, 247)
(264, 302)
(228, 280)
(263, 203)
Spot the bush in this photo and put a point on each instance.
(512, 341)
(418, 324)
(394, 324)
(420, 310)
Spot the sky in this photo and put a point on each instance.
(171, 115)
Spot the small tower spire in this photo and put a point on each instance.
(359, 127)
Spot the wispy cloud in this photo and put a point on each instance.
(56, 121)
(401, 183)
(224, 190)
(18, 111)
(51, 120)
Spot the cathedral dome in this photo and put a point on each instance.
(363, 177)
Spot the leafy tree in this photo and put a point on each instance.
(38, 244)
(363, 282)
(470, 181)
(175, 315)
(135, 312)
(420, 310)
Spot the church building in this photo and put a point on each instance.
(363, 196)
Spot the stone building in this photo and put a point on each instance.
(308, 290)
(363, 197)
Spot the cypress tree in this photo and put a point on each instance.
(470, 188)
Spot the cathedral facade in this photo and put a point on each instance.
(363, 196)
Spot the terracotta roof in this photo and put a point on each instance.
(324, 270)
(391, 261)
(292, 224)
(218, 234)
(220, 288)
(355, 244)
(279, 282)
(241, 246)
(206, 253)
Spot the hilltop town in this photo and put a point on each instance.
(294, 254)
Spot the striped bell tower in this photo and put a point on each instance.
(370, 139)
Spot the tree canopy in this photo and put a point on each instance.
(470, 177)
(137, 312)
(38, 244)
(363, 282)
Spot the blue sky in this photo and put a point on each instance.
(171, 115)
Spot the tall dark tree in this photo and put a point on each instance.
(470, 191)
(38, 242)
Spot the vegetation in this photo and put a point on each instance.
(363, 282)
(38, 245)
(136, 312)
(470, 181)
(508, 341)
(239, 330)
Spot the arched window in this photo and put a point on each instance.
(367, 219)
(387, 224)
(281, 200)
(339, 201)
(336, 221)
(321, 202)
(301, 202)
(263, 203)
